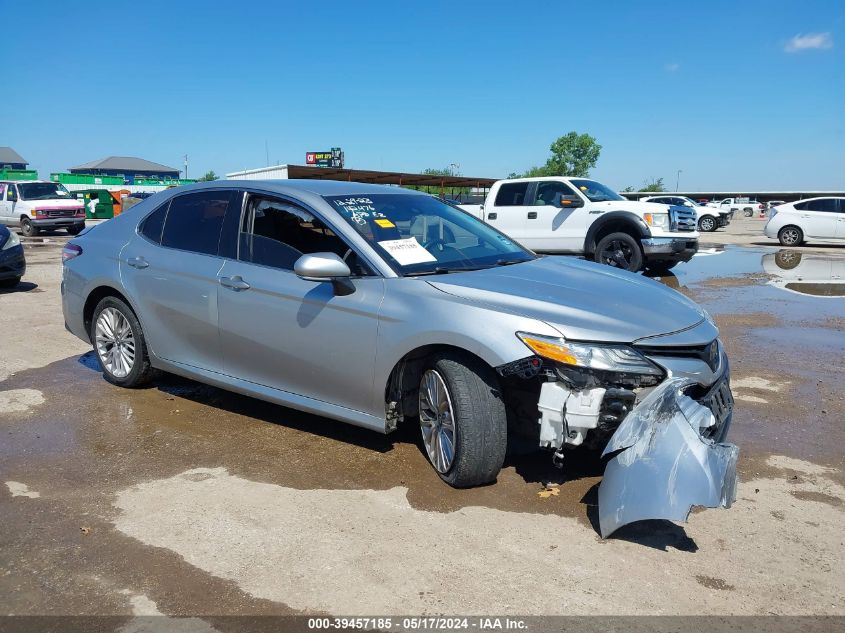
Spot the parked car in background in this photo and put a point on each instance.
(375, 305)
(709, 219)
(771, 204)
(820, 219)
(35, 205)
(746, 206)
(581, 216)
(12, 259)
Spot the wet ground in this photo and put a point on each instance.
(185, 499)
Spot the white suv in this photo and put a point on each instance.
(820, 219)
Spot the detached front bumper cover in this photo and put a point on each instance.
(663, 466)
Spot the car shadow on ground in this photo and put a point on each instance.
(24, 286)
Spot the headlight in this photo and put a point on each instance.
(614, 358)
(657, 220)
(13, 241)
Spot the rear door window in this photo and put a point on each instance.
(194, 221)
(824, 204)
(153, 224)
(512, 194)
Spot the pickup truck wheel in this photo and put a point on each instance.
(75, 230)
(619, 250)
(790, 236)
(748, 212)
(462, 419)
(707, 224)
(120, 345)
(27, 228)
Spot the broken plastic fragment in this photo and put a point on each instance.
(664, 466)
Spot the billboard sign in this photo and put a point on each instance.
(333, 158)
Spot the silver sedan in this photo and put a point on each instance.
(376, 305)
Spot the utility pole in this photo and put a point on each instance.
(454, 167)
(186, 166)
(678, 179)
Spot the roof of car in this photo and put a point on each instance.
(317, 187)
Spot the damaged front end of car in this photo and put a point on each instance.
(662, 430)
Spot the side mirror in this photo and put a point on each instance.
(11, 196)
(325, 267)
(570, 202)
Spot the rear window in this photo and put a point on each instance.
(194, 221)
(511, 194)
(153, 223)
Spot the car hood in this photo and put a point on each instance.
(583, 300)
(54, 203)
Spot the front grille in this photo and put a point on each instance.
(710, 353)
(683, 219)
(59, 213)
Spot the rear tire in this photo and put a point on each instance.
(75, 230)
(790, 236)
(619, 250)
(748, 213)
(119, 344)
(470, 421)
(27, 228)
(10, 283)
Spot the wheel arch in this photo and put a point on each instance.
(615, 222)
(93, 299)
(403, 381)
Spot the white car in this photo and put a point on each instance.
(820, 219)
(709, 218)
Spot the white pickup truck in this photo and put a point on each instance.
(745, 205)
(560, 215)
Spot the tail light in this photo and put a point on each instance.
(70, 251)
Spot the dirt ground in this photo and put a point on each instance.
(182, 499)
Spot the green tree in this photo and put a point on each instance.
(655, 185)
(573, 154)
(209, 176)
(628, 189)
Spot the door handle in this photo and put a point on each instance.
(532, 215)
(138, 262)
(235, 283)
(491, 216)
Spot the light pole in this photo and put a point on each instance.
(454, 167)
(678, 179)
(186, 166)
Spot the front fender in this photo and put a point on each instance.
(626, 220)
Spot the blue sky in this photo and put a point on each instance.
(746, 95)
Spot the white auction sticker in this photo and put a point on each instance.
(407, 251)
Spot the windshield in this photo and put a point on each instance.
(419, 234)
(595, 191)
(42, 191)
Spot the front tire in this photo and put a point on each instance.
(707, 224)
(120, 345)
(462, 419)
(75, 230)
(10, 283)
(27, 228)
(621, 251)
(790, 236)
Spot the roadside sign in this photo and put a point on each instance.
(332, 158)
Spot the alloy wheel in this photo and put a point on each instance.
(706, 224)
(437, 421)
(115, 342)
(790, 236)
(617, 253)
